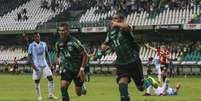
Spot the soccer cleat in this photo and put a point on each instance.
(40, 98)
(147, 94)
(53, 97)
(153, 82)
(161, 94)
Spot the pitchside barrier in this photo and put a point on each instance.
(107, 67)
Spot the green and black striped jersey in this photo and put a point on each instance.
(71, 51)
(124, 45)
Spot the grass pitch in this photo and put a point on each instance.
(100, 88)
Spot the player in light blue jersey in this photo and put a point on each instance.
(164, 90)
(38, 53)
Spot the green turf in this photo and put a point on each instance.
(101, 88)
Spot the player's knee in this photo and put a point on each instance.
(37, 81)
(78, 91)
(50, 78)
(123, 80)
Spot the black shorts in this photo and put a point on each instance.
(164, 67)
(70, 75)
(133, 71)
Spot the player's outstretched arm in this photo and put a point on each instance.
(123, 25)
(148, 46)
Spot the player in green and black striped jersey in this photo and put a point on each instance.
(121, 39)
(73, 58)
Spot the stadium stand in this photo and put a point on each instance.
(35, 16)
(8, 54)
(8, 5)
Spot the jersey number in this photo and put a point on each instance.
(116, 43)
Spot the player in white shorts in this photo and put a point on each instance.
(157, 64)
(38, 53)
(165, 90)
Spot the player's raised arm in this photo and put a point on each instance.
(122, 24)
(148, 46)
(118, 21)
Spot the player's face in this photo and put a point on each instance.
(63, 31)
(37, 38)
(116, 18)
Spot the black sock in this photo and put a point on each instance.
(64, 92)
(123, 88)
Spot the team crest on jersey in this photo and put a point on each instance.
(70, 48)
(61, 45)
(119, 35)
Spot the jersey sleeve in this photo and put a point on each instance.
(79, 46)
(46, 47)
(56, 46)
(30, 49)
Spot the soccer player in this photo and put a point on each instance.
(73, 58)
(38, 56)
(165, 90)
(163, 56)
(14, 68)
(121, 39)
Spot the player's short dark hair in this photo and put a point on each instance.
(64, 25)
(35, 33)
(119, 15)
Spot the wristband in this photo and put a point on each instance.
(82, 68)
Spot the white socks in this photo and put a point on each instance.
(50, 88)
(37, 88)
(149, 90)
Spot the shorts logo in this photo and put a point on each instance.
(64, 70)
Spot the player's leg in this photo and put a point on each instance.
(163, 73)
(36, 77)
(165, 86)
(51, 88)
(148, 91)
(66, 78)
(159, 73)
(123, 89)
(87, 73)
(48, 73)
(123, 79)
(64, 90)
(79, 89)
(38, 90)
(138, 77)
